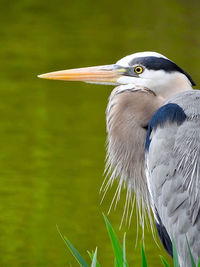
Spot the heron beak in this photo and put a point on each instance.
(107, 74)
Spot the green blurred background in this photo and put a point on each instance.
(52, 134)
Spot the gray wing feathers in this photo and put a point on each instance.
(173, 167)
(187, 153)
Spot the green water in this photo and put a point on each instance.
(52, 134)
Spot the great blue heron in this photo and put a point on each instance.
(153, 126)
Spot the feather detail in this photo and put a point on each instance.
(128, 113)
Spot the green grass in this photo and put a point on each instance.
(120, 252)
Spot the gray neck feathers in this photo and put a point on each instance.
(128, 113)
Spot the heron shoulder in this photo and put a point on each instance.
(170, 112)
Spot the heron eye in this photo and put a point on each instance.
(138, 69)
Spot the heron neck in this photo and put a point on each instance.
(177, 83)
(128, 115)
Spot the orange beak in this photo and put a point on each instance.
(107, 74)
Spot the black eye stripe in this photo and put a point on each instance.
(159, 63)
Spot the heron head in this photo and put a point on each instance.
(145, 69)
(155, 72)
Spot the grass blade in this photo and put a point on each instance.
(199, 263)
(175, 254)
(125, 264)
(191, 257)
(94, 260)
(144, 261)
(92, 254)
(164, 261)
(73, 251)
(76, 254)
(120, 261)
